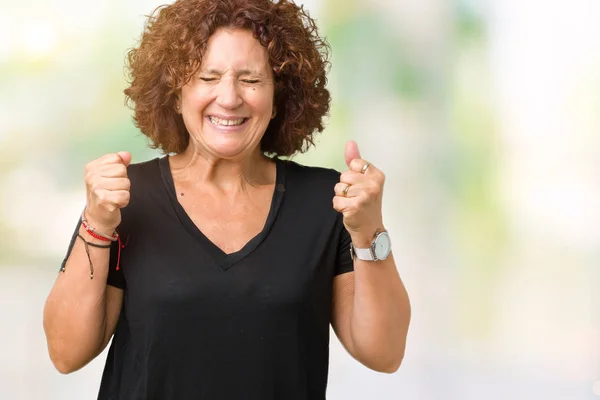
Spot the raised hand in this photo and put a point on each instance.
(107, 187)
(358, 196)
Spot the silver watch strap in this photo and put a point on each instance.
(363, 254)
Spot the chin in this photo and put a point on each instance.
(229, 151)
(228, 147)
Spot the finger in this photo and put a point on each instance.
(112, 170)
(351, 152)
(343, 204)
(372, 173)
(352, 177)
(343, 189)
(113, 158)
(358, 165)
(112, 199)
(112, 184)
(107, 159)
(122, 198)
(125, 157)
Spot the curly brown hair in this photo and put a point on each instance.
(171, 48)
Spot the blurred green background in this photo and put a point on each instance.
(484, 117)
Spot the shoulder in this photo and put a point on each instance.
(139, 170)
(144, 176)
(299, 174)
(310, 185)
(311, 189)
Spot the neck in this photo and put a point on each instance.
(229, 175)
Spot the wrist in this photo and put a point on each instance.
(88, 237)
(364, 238)
(374, 249)
(99, 232)
(97, 225)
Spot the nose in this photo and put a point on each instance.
(228, 95)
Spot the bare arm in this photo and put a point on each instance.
(81, 314)
(371, 314)
(371, 309)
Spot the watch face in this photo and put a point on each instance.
(383, 246)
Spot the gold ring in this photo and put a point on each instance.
(345, 191)
(364, 168)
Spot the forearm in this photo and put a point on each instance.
(75, 311)
(380, 315)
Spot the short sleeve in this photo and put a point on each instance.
(344, 262)
(115, 277)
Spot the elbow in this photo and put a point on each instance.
(63, 365)
(388, 365)
(391, 366)
(60, 357)
(64, 368)
(379, 355)
(67, 362)
(64, 360)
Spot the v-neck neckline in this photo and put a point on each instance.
(225, 260)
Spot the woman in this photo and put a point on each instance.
(218, 268)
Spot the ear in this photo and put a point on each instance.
(274, 112)
(177, 105)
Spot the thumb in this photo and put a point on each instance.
(125, 157)
(351, 152)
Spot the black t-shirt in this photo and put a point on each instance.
(197, 323)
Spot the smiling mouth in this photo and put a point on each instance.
(227, 122)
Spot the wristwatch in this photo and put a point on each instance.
(380, 249)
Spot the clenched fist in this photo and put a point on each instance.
(358, 196)
(107, 187)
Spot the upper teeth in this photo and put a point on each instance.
(226, 122)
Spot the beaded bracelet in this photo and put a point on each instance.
(95, 234)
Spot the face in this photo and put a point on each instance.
(228, 103)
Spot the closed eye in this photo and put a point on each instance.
(207, 79)
(250, 80)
